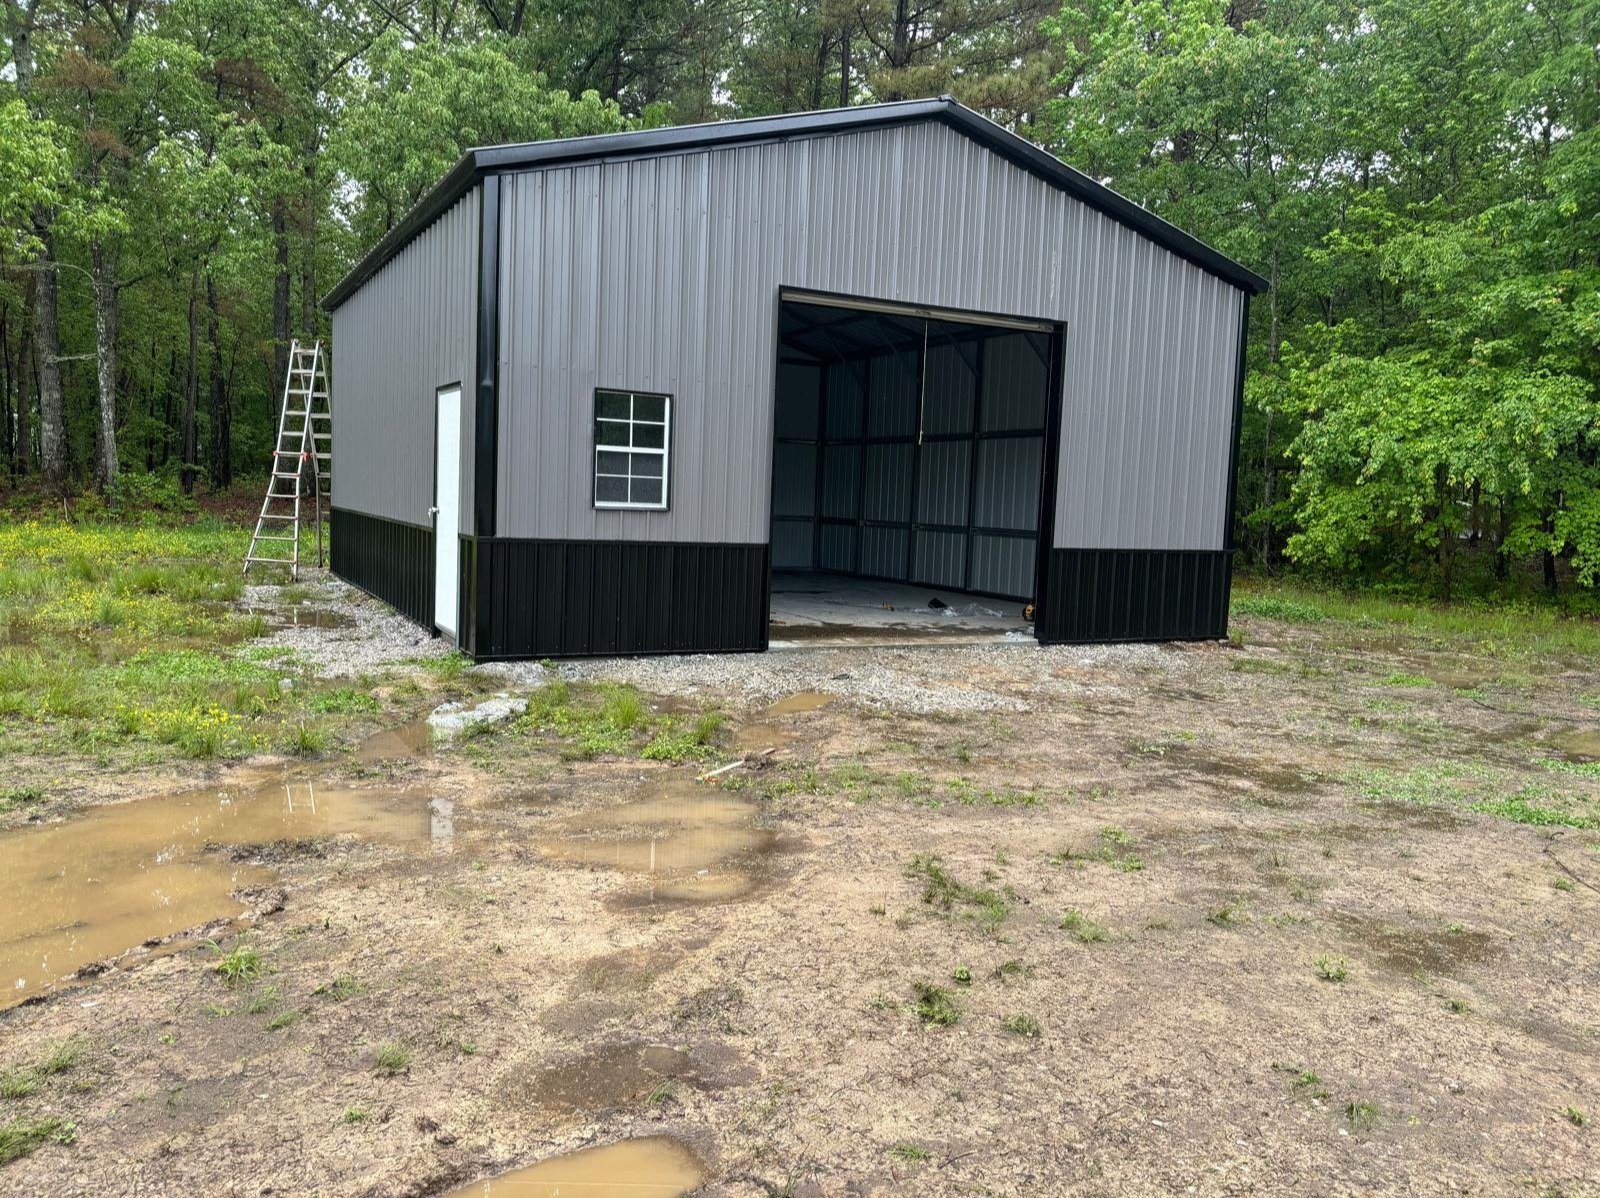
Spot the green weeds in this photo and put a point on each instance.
(1025, 1026)
(935, 1006)
(238, 965)
(392, 1059)
(942, 891)
(1085, 929)
(20, 1137)
(1332, 969)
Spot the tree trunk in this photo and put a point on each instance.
(221, 425)
(191, 385)
(844, 67)
(280, 302)
(24, 459)
(105, 359)
(47, 347)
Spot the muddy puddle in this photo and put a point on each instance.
(651, 1167)
(105, 882)
(1410, 950)
(1231, 772)
(686, 841)
(1578, 745)
(772, 728)
(396, 744)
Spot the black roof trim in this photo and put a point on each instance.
(477, 163)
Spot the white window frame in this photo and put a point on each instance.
(664, 452)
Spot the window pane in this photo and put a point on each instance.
(647, 490)
(610, 490)
(647, 465)
(650, 407)
(612, 405)
(606, 462)
(610, 432)
(650, 436)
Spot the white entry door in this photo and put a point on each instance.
(447, 510)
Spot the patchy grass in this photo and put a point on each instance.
(911, 1153)
(613, 719)
(392, 1058)
(340, 988)
(1332, 969)
(942, 891)
(1504, 630)
(123, 643)
(1085, 929)
(238, 965)
(935, 1006)
(20, 1137)
(1476, 788)
(1022, 1025)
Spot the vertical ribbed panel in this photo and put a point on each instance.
(1134, 595)
(663, 274)
(386, 558)
(409, 331)
(582, 599)
(1009, 475)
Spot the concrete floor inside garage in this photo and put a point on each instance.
(818, 609)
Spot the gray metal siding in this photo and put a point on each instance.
(396, 341)
(663, 274)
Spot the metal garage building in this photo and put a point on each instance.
(593, 396)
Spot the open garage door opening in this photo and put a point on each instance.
(914, 453)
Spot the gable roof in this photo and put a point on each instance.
(487, 160)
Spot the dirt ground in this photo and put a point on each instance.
(1205, 920)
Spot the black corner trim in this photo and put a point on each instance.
(486, 412)
(555, 598)
(1230, 539)
(1135, 595)
(484, 162)
(389, 559)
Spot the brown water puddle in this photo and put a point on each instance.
(651, 1167)
(691, 843)
(103, 883)
(1408, 950)
(767, 732)
(1579, 745)
(396, 744)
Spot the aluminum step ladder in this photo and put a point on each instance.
(302, 464)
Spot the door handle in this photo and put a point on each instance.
(433, 512)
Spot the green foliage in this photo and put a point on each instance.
(240, 964)
(942, 891)
(935, 1006)
(20, 1137)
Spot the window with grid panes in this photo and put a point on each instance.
(632, 447)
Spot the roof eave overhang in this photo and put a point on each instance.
(476, 163)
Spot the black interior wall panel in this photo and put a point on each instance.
(837, 547)
(886, 487)
(1015, 383)
(951, 382)
(943, 482)
(798, 397)
(794, 479)
(1002, 565)
(846, 401)
(1009, 477)
(841, 481)
(883, 551)
(892, 403)
(940, 559)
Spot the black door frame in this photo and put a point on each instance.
(1055, 330)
